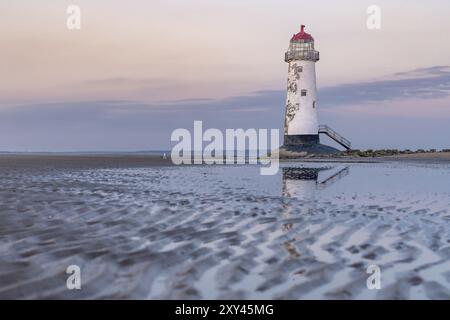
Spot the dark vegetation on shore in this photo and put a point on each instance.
(387, 152)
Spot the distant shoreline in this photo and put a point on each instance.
(414, 157)
(130, 160)
(83, 160)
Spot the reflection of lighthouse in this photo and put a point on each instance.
(301, 126)
(302, 185)
(300, 188)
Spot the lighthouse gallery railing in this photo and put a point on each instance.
(301, 55)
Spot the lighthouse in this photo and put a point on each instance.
(301, 124)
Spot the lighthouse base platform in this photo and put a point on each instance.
(304, 145)
(301, 139)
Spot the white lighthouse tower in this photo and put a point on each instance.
(301, 126)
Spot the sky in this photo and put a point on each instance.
(139, 69)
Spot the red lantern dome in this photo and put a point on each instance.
(302, 35)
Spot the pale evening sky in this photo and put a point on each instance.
(139, 69)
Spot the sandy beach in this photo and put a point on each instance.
(139, 227)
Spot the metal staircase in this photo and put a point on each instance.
(335, 136)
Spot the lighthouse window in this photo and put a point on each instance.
(314, 104)
(305, 46)
(303, 93)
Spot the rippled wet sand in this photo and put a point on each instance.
(207, 232)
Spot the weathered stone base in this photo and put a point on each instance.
(304, 150)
